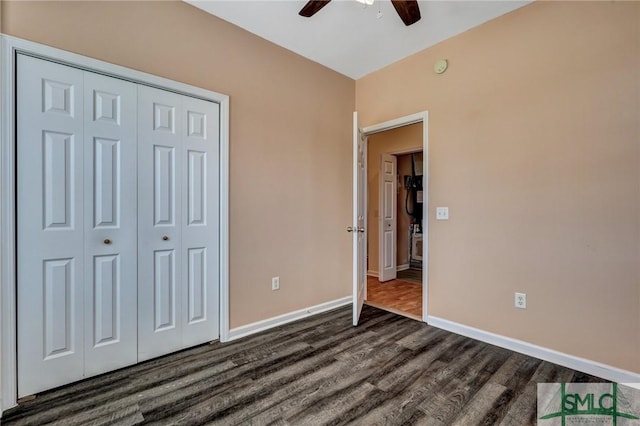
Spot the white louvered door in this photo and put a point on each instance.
(117, 223)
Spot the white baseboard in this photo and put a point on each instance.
(570, 361)
(256, 327)
(372, 273)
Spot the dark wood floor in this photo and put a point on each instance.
(390, 370)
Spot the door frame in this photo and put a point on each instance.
(396, 154)
(420, 117)
(10, 47)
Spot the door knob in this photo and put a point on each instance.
(355, 229)
(165, 238)
(107, 241)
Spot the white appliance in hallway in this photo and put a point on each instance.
(415, 255)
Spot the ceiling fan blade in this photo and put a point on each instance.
(408, 10)
(312, 7)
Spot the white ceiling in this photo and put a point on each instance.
(347, 36)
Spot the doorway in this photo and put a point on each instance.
(395, 219)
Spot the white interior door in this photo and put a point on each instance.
(117, 223)
(110, 219)
(388, 217)
(159, 222)
(76, 224)
(178, 231)
(49, 225)
(359, 220)
(200, 213)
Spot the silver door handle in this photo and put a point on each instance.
(355, 229)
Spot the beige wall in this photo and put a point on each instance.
(391, 141)
(535, 148)
(290, 136)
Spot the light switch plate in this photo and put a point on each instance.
(442, 213)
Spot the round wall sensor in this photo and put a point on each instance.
(441, 66)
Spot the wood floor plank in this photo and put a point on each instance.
(514, 374)
(331, 409)
(420, 336)
(403, 400)
(124, 416)
(281, 401)
(479, 405)
(319, 385)
(112, 402)
(399, 295)
(470, 376)
(220, 387)
(264, 409)
(404, 369)
(390, 370)
(523, 409)
(304, 385)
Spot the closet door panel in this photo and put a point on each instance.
(160, 170)
(110, 170)
(117, 223)
(200, 209)
(49, 225)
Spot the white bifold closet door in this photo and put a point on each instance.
(178, 216)
(76, 224)
(117, 223)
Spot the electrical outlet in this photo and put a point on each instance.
(521, 300)
(275, 283)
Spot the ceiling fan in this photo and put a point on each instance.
(408, 10)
